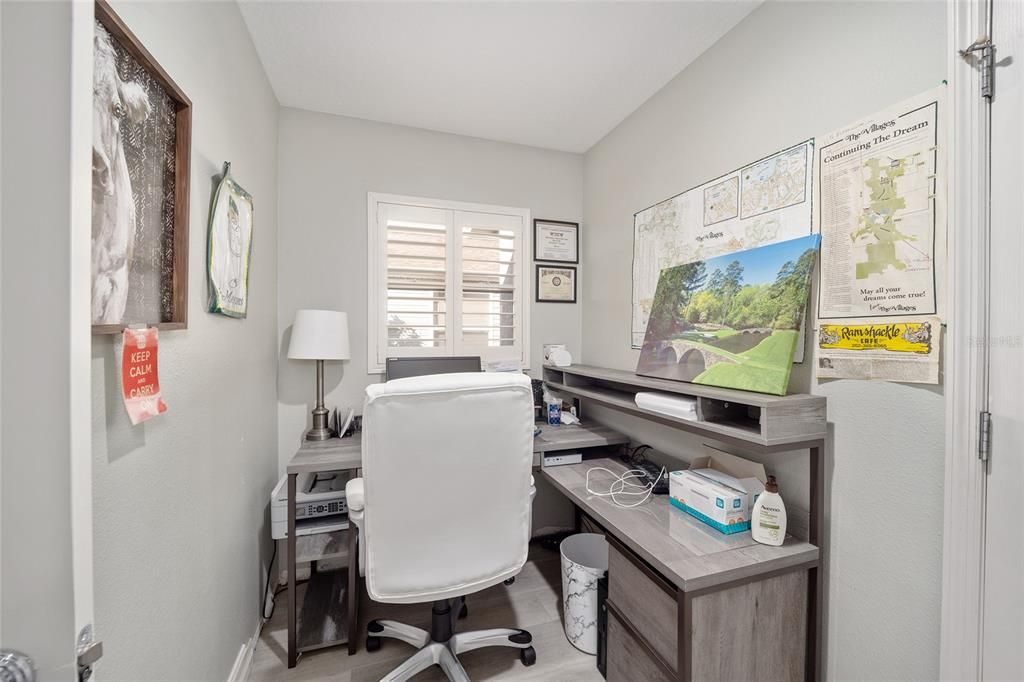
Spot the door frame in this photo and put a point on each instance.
(45, 430)
(966, 340)
(80, 380)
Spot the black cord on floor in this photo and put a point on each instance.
(278, 590)
(270, 574)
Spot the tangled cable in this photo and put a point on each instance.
(622, 484)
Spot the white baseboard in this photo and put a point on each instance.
(241, 671)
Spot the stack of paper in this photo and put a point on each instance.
(679, 406)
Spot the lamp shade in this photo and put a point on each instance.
(319, 335)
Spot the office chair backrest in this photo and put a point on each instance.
(446, 470)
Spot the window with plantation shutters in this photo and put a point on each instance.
(449, 280)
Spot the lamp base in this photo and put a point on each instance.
(319, 434)
(320, 430)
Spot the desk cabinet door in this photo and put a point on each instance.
(628, 660)
(753, 630)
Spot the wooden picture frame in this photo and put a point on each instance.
(549, 246)
(548, 290)
(173, 306)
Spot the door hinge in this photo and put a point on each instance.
(982, 51)
(89, 651)
(984, 435)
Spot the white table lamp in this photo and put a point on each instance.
(319, 335)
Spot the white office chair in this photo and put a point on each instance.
(443, 507)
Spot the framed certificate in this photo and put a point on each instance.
(556, 284)
(556, 240)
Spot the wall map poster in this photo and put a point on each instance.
(881, 183)
(763, 203)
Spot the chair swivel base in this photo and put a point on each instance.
(442, 646)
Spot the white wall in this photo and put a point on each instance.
(327, 165)
(181, 528)
(790, 71)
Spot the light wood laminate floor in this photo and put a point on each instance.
(533, 603)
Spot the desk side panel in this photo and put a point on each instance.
(803, 419)
(757, 630)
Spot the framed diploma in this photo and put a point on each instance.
(556, 284)
(556, 240)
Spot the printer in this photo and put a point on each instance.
(319, 504)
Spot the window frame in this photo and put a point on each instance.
(377, 273)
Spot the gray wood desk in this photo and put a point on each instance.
(336, 454)
(345, 454)
(686, 602)
(758, 424)
(691, 555)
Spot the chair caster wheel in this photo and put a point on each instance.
(372, 643)
(528, 656)
(510, 581)
(463, 612)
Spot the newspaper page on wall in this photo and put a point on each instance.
(892, 349)
(765, 202)
(881, 213)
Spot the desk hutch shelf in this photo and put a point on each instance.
(768, 423)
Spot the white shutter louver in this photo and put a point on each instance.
(416, 281)
(489, 281)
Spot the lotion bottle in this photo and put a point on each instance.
(768, 521)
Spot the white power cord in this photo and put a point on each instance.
(623, 485)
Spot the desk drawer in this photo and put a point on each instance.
(628, 660)
(645, 602)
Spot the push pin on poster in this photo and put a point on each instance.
(140, 384)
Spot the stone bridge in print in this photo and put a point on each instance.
(693, 359)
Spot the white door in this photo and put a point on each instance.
(45, 466)
(1003, 624)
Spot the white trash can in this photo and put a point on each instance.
(584, 560)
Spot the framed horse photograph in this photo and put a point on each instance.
(142, 135)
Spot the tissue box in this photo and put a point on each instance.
(719, 489)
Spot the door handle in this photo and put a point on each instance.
(16, 667)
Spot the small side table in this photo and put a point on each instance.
(336, 454)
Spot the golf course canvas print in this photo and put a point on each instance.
(731, 321)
